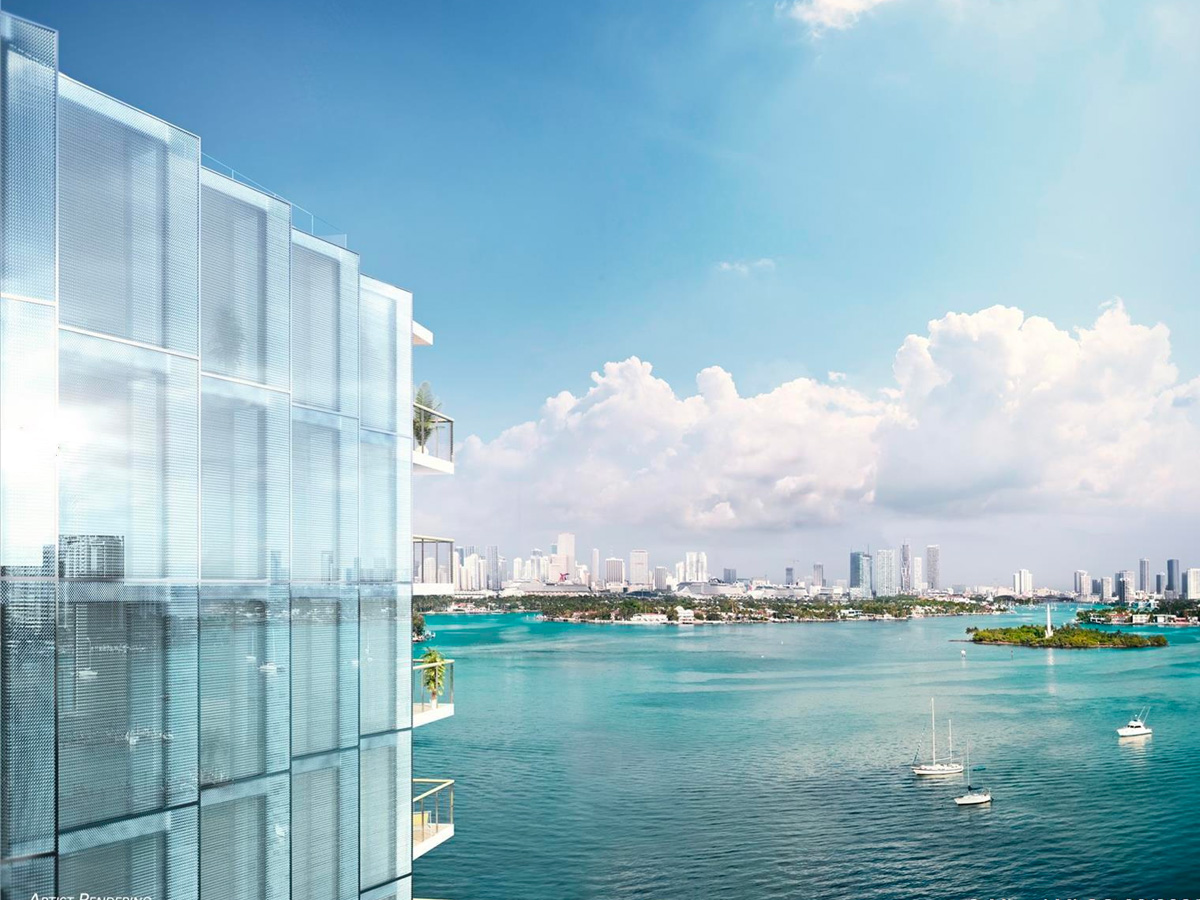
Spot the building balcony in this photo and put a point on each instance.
(432, 691)
(433, 442)
(432, 814)
(433, 566)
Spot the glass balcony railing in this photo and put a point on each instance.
(432, 813)
(433, 434)
(433, 565)
(432, 691)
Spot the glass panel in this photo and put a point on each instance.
(380, 308)
(28, 110)
(28, 440)
(378, 468)
(128, 191)
(245, 480)
(27, 714)
(325, 830)
(155, 858)
(245, 852)
(324, 497)
(385, 626)
(245, 246)
(324, 670)
(324, 325)
(385, 832)
(244, 682)
(128, 463)
(127, 699)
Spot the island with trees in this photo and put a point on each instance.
(1069, 637)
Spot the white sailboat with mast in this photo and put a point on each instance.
(974, 796)
(933, 768)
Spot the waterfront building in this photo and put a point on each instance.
(596, 573)
(639, 568)
(207, 689)
(887, 573)
(861, 574)
(1126, 586)
(1106, 589)
(614, 571)
(906, 568)
(933, 567)
(789, 576)
(1144, 575)
(818, 578)
(661, 578)
(1023, 583)
(1174, 579)
(565, 552)
(1191, 586)
(1160, 583)
(1083, 584)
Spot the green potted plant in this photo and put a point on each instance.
(423, 421)
(434, 677)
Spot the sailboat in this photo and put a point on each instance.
(973, 796)
(933, 768)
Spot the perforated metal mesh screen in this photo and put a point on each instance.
(28, 113)
(129, 208)
(244, 283)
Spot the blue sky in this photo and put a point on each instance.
(698, 184)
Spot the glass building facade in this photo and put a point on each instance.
(205, 522)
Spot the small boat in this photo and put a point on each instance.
(933, 768)
(974, 796)
(1136, 727)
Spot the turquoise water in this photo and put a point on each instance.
(768, 761)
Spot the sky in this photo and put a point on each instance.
(768, 279)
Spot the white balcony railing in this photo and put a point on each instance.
(433, 691)
(432, 814)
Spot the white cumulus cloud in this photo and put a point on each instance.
(987, 413)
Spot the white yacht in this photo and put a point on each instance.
(933, 768)
(974, 796)
(1136, 727)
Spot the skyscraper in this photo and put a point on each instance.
(639, 568)
(597, 575)
(1160, 583)
(1023, 583)
(861, 576)
(660, 578)
(906, 568)
(729, 576)
(918, 575)
(1083, 583)
(933, 567)
(210, 685)
(1174, 579)
(566, 556)
(887, 573)
(1126, 582)
(818, 575)
(789, 576)
(702, 567)
(1144, 575)
(493, 568)
(614, 571)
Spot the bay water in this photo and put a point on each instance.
(771, 761)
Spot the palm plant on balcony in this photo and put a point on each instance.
(433, 678)
(424, 421)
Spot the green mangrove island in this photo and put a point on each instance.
(1069, 637)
